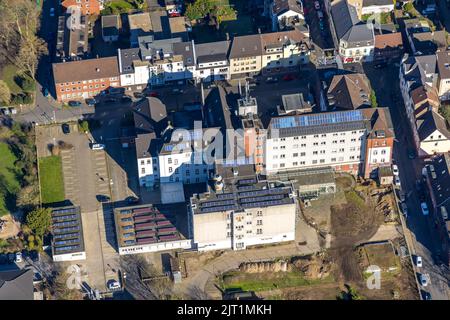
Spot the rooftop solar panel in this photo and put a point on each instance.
(317, 119)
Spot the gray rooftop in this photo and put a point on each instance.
(16, 285)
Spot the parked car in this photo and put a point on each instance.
(397, 181)
(426, 295)
(18, 257)
(125, 99)
(380, 65)
(177, 91)
(74, 103)
(320, 14)
(316, 5)
(65, 128)
(404, 210)
(153, 94)
(423, 279)
(114, 285)
(271, 80)
(288, 77)
(395, 170)
(424, 207)
(132, 200)
(110, 100)
(418, 261)
(138, 95)
(321, 25)
(97, 146)
(91, 102)
(45, 92)
(52, 12)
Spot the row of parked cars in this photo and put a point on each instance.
(8, 111)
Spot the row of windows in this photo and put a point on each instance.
(323, 135)
(321, 161)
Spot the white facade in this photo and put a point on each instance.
(173, 167)
(290, 55)
(330, 149)
(436, 142)
(238, 230)
(355, 53)
(377, 9)
(210, 71)
(70, 256)
(444, 89)
(155, 247)
(277, 20)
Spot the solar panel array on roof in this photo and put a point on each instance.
(225, 196)
(66, 230)
(317, 119)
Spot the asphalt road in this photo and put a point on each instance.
(425, 239)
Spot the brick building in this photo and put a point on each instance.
(82, 79)
(88, 7)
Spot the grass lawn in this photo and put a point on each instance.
(267, 281)
(8, 175)
(51, 178)
(9, 72)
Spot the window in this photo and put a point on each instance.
(170, 169)
(258, 231)
(259, 222)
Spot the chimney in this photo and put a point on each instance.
(227, 35)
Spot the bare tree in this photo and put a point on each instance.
(31, 50)
(5, 93)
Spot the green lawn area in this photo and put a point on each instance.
(267, 281)
(51, 178)
(9, 72)
(8, 176)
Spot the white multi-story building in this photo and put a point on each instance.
(443, 68)
(155, 62)
(356, 141)
(242, 211)
(356, 39)
(212, 61)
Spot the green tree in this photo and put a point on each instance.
(373, 99)
(39, 220)
(199, 9)
(84, 126)
(26, 84)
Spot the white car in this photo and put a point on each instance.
(114, 285)
(418, 261)
(97, 146)
(424, 207)
(18, 257)
(52, 12)
(397, 181)
(395, 170)
(423, 279)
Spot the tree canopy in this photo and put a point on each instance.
(39, 220)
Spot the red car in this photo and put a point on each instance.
(153, 94)
(288, 77)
